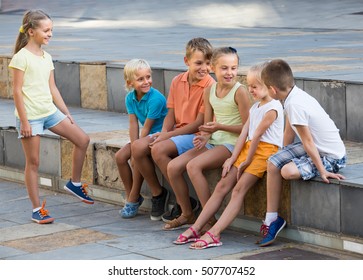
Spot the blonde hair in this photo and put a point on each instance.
(199, 44)
(131, 68)
(217, 53)
(31, 19)
(255, 71)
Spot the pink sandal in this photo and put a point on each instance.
(182, 239)
(215, 242)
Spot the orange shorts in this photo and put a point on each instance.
(258, 165)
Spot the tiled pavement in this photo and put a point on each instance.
(97, 232)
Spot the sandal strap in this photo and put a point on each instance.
(196, 235)
(214, 238)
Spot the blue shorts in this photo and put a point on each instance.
(295, 152)
(39, 125)
(183, 142)
(229, 147)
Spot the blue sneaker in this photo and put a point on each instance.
(80, 192)
(41, 216)
(131, 208)
(270, 232)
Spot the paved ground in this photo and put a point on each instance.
(97, 232)
(319, 39)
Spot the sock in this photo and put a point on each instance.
(270, 217)
(36, 209)
(77, 184)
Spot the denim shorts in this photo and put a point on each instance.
(229, 147)
(295, 152)
(183, 142)
(39, 125)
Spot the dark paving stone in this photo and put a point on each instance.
(289, 254)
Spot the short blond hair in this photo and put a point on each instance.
(131, 68)
(255, 71)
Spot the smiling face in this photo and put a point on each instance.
(198, 66)
(226, 68)
(42, 33)
(142, 81)
(256, 88)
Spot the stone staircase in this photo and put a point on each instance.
(317, 213)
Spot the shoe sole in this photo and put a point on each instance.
(82, 199)
(272, 240)
(47, 221)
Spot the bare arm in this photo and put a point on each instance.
(18, 77)
(146, 128)
(289, 133)
(133, 128)
(57, 98)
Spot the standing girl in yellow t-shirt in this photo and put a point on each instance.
(39, 106)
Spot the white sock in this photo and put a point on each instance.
(36, 209)
(77, 184)
(270, 217)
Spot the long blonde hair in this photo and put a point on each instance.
(31, 19)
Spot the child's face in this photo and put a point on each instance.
(198, 66)
(257, 89)
(42, 34)
(226, 68)
(142, 81)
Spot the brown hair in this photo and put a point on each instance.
(31, 19)
(199, 44)
(278, 73)
(217, 53)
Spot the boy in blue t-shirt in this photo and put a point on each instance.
(147, 106)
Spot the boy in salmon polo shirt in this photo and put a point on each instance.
(185, 115)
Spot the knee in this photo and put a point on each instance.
(288, 173)
(192, 168)
(33, 162)
(221, 189)
(120, 157)
(174, 169)
(156, 152)
(84, 142)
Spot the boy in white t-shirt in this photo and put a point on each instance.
(321, 151)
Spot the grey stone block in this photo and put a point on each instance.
(352, 209)
(331, 96)
(168, 77)
(49, 153)
(354, 112)
(67, 80)
(158, 80)
(14, 156)
(2, 152)
(116, 91)
(316, 205)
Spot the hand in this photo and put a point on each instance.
(25, 129)
(325, 175)
(227, 166)
(209, 127)
(70, 117)
(200, 141)
(158, 137)
(241, 168)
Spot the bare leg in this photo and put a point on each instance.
(122, 157)
(203, 162)
(141, 154)
(80, 140)
(162, 153)
(175, 170)
(213, 204)
(31, 150)
(274, 187)
(245, 183)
